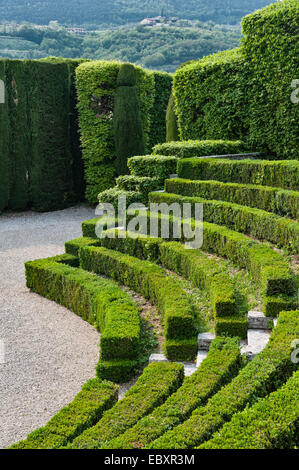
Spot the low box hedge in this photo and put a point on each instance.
(200, 148)
(193, 265)
(85, 410)
(154, 166)
(219, 367)
(153, 283)
(141, 184)
(263, 375)
(258, 223)
(278, 174)
(272, 423)
(279, 201)
(72, 247)
(99, 301)
(154, 386)
(112, 195)
(268, 268)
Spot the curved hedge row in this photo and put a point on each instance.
(219, 367)
(279, 201)
(200, 148)
(154, 386)
(84, 411)
(278, 174)
(153, 283)
(255, 222)
(194, 265)
(264, 374)
(272, 423)
(100, 302)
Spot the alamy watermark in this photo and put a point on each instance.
(295, 93)
(166, 221)
(295, 352)
(2, 92)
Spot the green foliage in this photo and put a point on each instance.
(42, 155)
(278, 174)
(264, 374)
(172, 132)
(271, 48)
(246, 93)
(279, 201)
(259, 224)
(96, 88)
(153, 166)
(154, 386)
(211, 97)
(200, 148)
(96, 300)
(154, 284)
(111, 196)
(84, 411)
(128, 132)
(220, 366)
(163, 86)
(141, 184)
(272, 423)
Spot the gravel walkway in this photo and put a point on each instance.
(49, 351)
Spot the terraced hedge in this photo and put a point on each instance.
(85, 410)
(278, 174)
(263, 375)
(272, 423)
(100, 302)
(153, 283)
(279, 201)
(255, 222)
(154, 386)
(153, 166)
(268, 268)
(200, 148)
(220, 366)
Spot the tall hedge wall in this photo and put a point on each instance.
(163, 87)
(211, 97)
(246, 93)
(40, 153)
(96, 87)
(271, 46)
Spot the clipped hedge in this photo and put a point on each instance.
(194, 265)
(141, 184)
(200, 148)
(42, 155)
(153, 166)
(219, 367)
(84, 411)
(153, 283)
(163, 86)
(153, 387)
(279, 201)
(112, 195)
(259, 224)
(278, 174)
(270, 424)
(96, 88)
(100, 302)
(270, 46)
(211, 97)
(268, 268)
(263, 375)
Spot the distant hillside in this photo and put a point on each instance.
(117, 12)
(160, 47)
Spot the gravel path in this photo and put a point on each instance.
(49, 351)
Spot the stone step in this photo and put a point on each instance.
(256, 342)
(173, 176)
(257, 320)
(189, 367)
(205, 340)
(201, 355)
